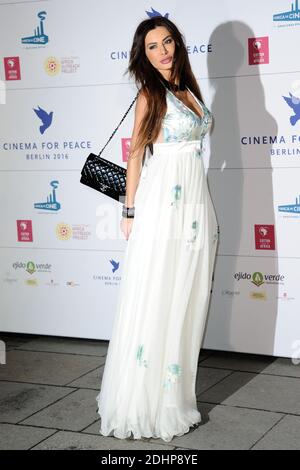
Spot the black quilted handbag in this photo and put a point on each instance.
(104, 175)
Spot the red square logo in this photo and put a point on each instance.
(258, 50)
(12, 68)
(24, 230)
(264, 237)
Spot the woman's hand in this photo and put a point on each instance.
(126, 225)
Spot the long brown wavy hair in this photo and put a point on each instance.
(148, 79)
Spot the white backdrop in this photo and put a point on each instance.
(62, 94)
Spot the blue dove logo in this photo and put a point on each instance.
(293, 103)
(153, 13)
(114, 264)
(45, 117)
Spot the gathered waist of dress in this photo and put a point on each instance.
(172, 151)
(182, 146)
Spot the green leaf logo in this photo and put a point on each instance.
(257, 279)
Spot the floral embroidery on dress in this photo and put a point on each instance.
(139, 356)
(186, 125)
(172, 375)
(194, 230)
(199, 153)
(176, 194)
(200, 150)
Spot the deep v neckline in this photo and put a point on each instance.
(180, 101)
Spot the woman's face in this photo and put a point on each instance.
(160, 49)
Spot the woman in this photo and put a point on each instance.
(148, 384)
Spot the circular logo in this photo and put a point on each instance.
(63, 231)
(52, 66)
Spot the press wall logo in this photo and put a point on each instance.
(51, 204)
(114, 265)
(290, 16)
(258, 50)
(72, 284)
(230, 293)
(9, 278)
(154, 13)
(53, 66)
(12, 68)
(281, 145)
(66, 231)
(285, 297)
(52, 283)
(63, 231)
(45, 117)
(30, 267)
(39, 37)
(110, 279)
(293, 102)
(258, 278)
(264, 237)
(291, 208)
(24, 228)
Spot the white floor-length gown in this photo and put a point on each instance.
(148, 384)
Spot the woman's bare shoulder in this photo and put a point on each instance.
(141, 101)
(141, 106)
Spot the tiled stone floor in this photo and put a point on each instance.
(49, 384)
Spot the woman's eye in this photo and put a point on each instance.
(166, 42)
